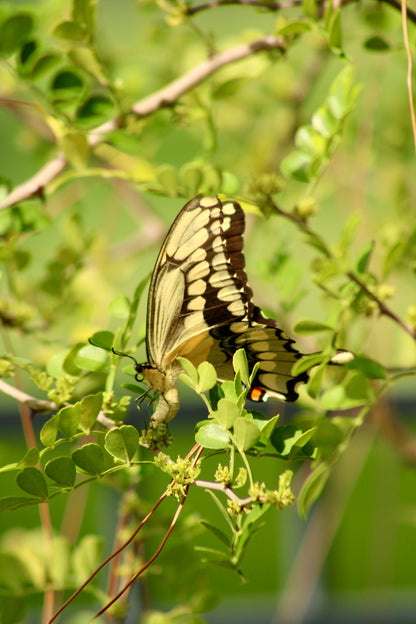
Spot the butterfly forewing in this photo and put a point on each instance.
(198, 281)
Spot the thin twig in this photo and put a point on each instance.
(199, 450)
(409, 68)
(384, 309)
(211, 485)
(167, 96)
(41, 406)
(104, 563)
(150, 561)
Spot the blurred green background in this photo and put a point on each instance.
(353, 560)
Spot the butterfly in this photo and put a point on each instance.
(200, 307)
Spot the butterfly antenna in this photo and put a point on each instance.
(121, 354)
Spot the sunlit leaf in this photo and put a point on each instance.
(207, 376)
(245, 433)
(212, 436)
(122, 442)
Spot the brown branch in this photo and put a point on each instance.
(409, 68)
(164, 97)
(304, 227)
(198, 450)
(211, 485)
(384, 309)
(109, 558)
(39, 405)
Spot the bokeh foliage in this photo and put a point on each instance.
(310, 128)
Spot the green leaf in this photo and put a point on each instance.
(294, 27)
(315, 381)
(30, 459)
(44, 64)
(364, 257)
(49, 431)
(61, 470)
(67, 84)
(90, 458)
(69, 366)
(245, 433)
(266, 428)
(91, 358)
(288, 437)
(297, 165)
(95, 110)
(32, 481)
(310, 141)
(55, 365)
(207, 377)
(167, 177)
(240, 365)
(14, 576)
(69, 419)
(306, 362)
(190, 176)
(135, 388)
(368, 367)
(226, 413)
(324, 122)
(376, 44)
(217, 532)
(309, 326)
(340, 100)
(310, 8)
(120, 307)
(122, 443)
(90, 408)
(11, 503)
(312, 488)
(14, 32)
(69, 30)
(228, 87)
(335, 31)
(212, 436)
(356, 391)
(87, 557)
(87, 59)
(190, 370)
(102, 339)
(27, 56)
(76, 148)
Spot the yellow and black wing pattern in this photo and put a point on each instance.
(200, 307)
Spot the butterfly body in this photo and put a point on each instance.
(200, 308)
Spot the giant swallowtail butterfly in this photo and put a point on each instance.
(200, 307)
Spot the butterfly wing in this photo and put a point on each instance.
(200, 305)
